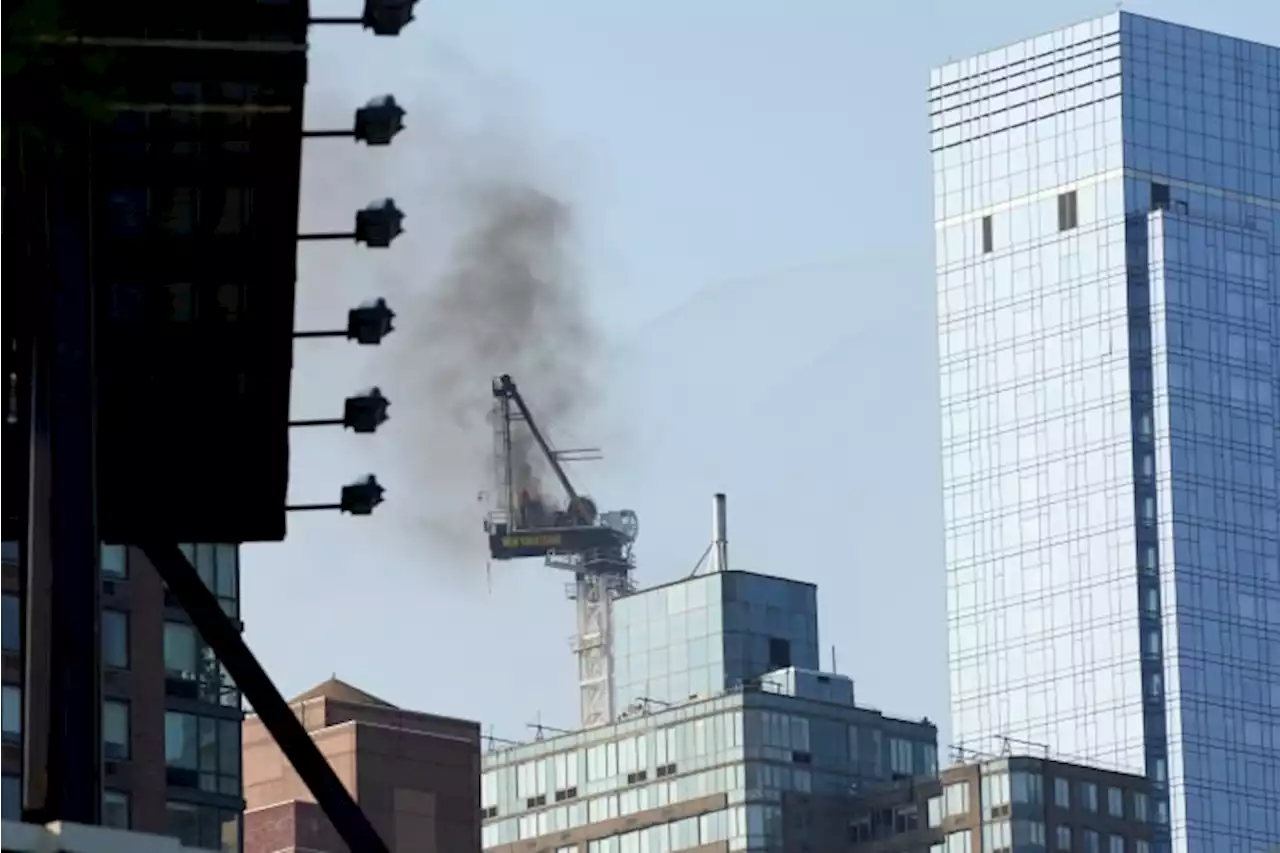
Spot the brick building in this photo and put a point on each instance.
(416, 775)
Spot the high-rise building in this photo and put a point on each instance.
(722, 714)
(415, 775)
(1107, 229)
(171, 717)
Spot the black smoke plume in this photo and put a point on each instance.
(502, 296)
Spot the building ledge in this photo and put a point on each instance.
(60, 837)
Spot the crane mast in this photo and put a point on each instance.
(596, 548)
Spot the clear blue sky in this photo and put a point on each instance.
(752, 185)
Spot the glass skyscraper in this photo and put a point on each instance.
(1108, 274)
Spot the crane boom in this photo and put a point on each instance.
(507, 387)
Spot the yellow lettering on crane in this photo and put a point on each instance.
(534, 540)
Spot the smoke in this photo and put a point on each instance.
(493, 290)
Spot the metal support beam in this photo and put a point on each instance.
(62, 582)
(221, 635)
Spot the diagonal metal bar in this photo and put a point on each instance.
(221, 635)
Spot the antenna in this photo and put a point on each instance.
(491, 740)
(539, 730)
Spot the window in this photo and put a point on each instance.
(1115, 844)
(997, 836)
(173, 209)
(1141, 845)
(1140, 806)
(181, 738)
(1027, 788)
(204, 826)
(566, 770)
(779, 653)
(935, 811)
(1159, 196)
(988, 235)
(1089, 796)
(995, 791)
(1091, 843)
(489, 790)
(207, 749)
(115, 729)
(115, 809)
(1028, 834)
(235, 213)
(959, 842)
(115, 639)
(1151, 643)
(1062, 793)
(900, 758)
(631, 754)
(113, 561)
(1155, 686)
(957, 798)
(1115, 802)
(188, 662)
(12, 712)
(1067, 218)
(219, 568)
(180, 651)
(12, 632)
(1062, 838)
(11, 798)
(1149, 511)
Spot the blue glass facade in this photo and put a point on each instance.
(1107, 212)
(704, 634)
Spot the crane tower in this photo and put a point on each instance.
(574, 537)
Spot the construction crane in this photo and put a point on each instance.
(575, 537)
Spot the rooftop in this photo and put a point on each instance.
(340, 691)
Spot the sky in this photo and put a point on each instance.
(751, 195)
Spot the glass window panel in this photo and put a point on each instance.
(10, 798)
(115, 639)
(115, 810)
(115, 729)
(180, 650)
(9, 622)
(183, 822)
(12, 712)
(229, 747)
(181, 735)
(113, 561)
(227, 557)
